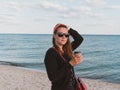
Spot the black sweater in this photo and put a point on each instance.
(59, 70)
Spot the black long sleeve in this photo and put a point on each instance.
(77, 38)
(55, 72)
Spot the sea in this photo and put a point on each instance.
(101, 54)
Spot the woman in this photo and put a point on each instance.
(60, 60)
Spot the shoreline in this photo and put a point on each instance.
(17, 78)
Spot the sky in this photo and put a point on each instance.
(40, 16)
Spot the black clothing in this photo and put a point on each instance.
(59, 70)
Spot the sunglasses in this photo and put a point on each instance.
(62, 34)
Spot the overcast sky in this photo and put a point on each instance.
(40, 16)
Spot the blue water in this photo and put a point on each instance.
(101, 54)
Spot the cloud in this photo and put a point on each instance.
(91, 14)
(81, 9)
(102, 4)
(31, 14)
(6, 18)
(82, 12)
(96, 2)
(112, 7)
(54, 6)
(10, 5)
(16, 12)
(17, 6)
(68, 12)
(60, 10)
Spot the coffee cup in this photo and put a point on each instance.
(77, 53)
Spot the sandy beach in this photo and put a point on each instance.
(15, 78)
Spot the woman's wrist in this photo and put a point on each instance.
(72, 63)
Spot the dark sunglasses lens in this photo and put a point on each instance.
(61, 35)
(66, 35)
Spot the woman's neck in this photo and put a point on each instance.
(60, 48)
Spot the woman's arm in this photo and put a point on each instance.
(77, 38)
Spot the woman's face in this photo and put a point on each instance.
(61, 36)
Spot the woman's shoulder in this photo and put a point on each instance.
(51, 53)
(51, 50)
